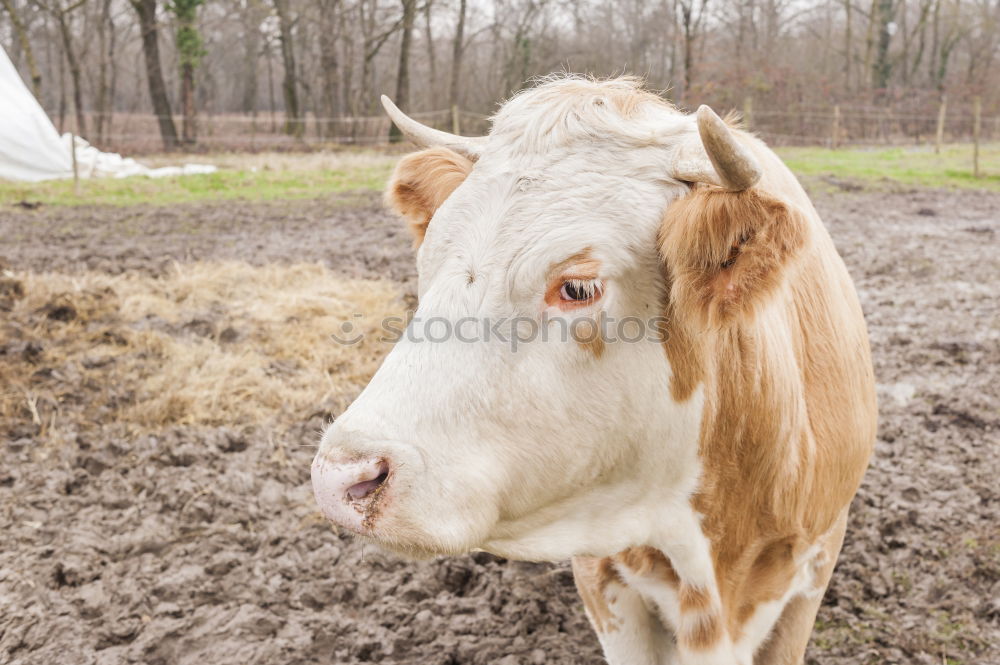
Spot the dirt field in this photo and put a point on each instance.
(154, 511)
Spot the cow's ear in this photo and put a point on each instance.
(421, 183)
(728, 252)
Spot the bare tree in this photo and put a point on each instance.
(524, 22)
(107, 70)
(910, 65)
(949, 38)
(190, 50)
(692, 15)
(329, 63)
(22, 39)
(403, 71)
(883, 18)
(146, 10)
(251, 16)
(61, 14)
(457, 49)
(429, 44)
(848, 43)
(333, 57)
(289, 87)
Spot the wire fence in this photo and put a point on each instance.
(838, 127)
(834, 126)
(139, 133)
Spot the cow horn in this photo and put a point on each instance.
(716, 156)
(736, 167)
(428, 137)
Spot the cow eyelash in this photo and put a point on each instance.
(579, 290)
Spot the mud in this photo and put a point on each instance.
(200, 544)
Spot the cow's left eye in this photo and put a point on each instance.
(579, 290)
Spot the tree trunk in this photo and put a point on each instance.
(146, 9)
(692, 14)
(848, 46)
(870, 43)
(935, 45)
(189, 130)
(189, 53)
(429, 43)
(403, 74)
(113, 77)
(882, 68)
(62, 91)
(106, 46)
(289, 86)
(25, 43)
(921, 42)
(457, 48)
(687, 23)
(252, 19)
(74, 70)
(329, 66)
(270, 86)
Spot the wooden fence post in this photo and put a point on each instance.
(939, 135)
(454, 118)
(977, 110)
(835, 140)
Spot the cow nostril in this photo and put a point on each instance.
(366, 488)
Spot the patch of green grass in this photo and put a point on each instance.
(276, 177)
(223, 185)
(891, 168)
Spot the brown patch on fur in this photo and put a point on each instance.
(593, 576)
(787, 642)
(581, 265)
(772, 565)
(727, 251)
(648, 562)
(693, 599)
(703, 632)
(684, 355)
(420, 184)
(763, 314)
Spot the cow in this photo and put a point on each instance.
(699, 479)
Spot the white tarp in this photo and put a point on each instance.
(92, 163)
(31, 148)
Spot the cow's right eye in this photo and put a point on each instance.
(579, 290)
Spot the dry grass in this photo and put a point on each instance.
(210, 343)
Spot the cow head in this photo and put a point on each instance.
(530, 405)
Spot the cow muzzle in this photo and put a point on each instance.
(350, 492)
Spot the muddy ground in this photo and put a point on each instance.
(199, 543)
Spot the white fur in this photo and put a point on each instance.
(639, 636)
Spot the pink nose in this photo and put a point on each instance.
(349, 492)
